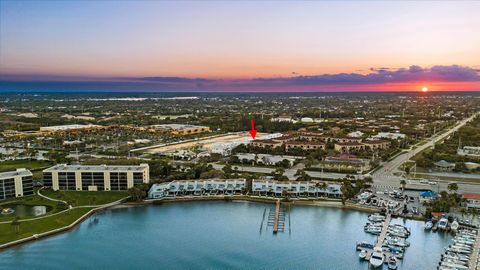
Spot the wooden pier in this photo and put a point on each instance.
(277, 214)
(473, 262)
(276, 218)
(383, 234)
(381, 237)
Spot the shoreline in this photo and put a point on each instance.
(333, 203)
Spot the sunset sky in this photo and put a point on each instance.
(239, 46)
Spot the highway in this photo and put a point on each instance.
(385, 176)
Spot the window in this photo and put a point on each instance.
(47, 179)
(7, 188)
(137, 178)
(27, 185)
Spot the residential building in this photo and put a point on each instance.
(348, 147)
(304, 145)
(376, 144)
(95, 177)
(294, 188)
(16, 184)
(197, 187)
(266, 143)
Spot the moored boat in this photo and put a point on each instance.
(377, 258)
(392, 263)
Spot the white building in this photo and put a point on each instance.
(16, 184)
(73, 127)
(295, 188)
(390, 135)
(197, 187)
(95, 177)
(472, 151)
(266, 159)
(355, 134)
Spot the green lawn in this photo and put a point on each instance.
(8, 231)
(12, 165)
(78, 198)
(31, 200)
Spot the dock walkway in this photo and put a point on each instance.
(473, 262)
(276, 217)
(381, 237)
(383, 234)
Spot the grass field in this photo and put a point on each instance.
(12, 165)
(10, 232)
(78, 198)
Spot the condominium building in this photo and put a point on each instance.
(307, 145)
(95, 177)
(266, 143)
(197, 187)
(16, 184)
(376, 144)
(295, 188)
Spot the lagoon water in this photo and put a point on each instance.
(216, 235)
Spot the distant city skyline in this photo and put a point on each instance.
(239, 46)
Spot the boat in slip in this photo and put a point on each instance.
(392, 263)
(443, 223)
(428, 225)
(363, 254)
(373, 229)
(377, 258)
(376, 217)
(454, 226)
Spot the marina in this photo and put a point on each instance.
(390, 244)
(320, 238)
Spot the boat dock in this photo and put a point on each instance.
(383, 234)
(276, 218)
(381, 237)
(473, 262)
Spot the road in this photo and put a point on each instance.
(290, 173)
(385, 176)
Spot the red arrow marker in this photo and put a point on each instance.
(253, 132)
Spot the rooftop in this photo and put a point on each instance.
(471, 196)
(96, 168)
(19, 172)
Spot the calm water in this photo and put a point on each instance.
(22, 210)
(215, 235)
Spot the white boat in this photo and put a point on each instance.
(428, 225)
(377, 257)
(454, 226)
(363, 254)
(376, 217)
(392, 263)
(373, 230)
(443, 223)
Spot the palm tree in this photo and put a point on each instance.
(463, 211)
(403, 183)
(453, 187)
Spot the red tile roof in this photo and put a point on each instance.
(471, 196)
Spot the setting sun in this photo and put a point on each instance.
(424, 89)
